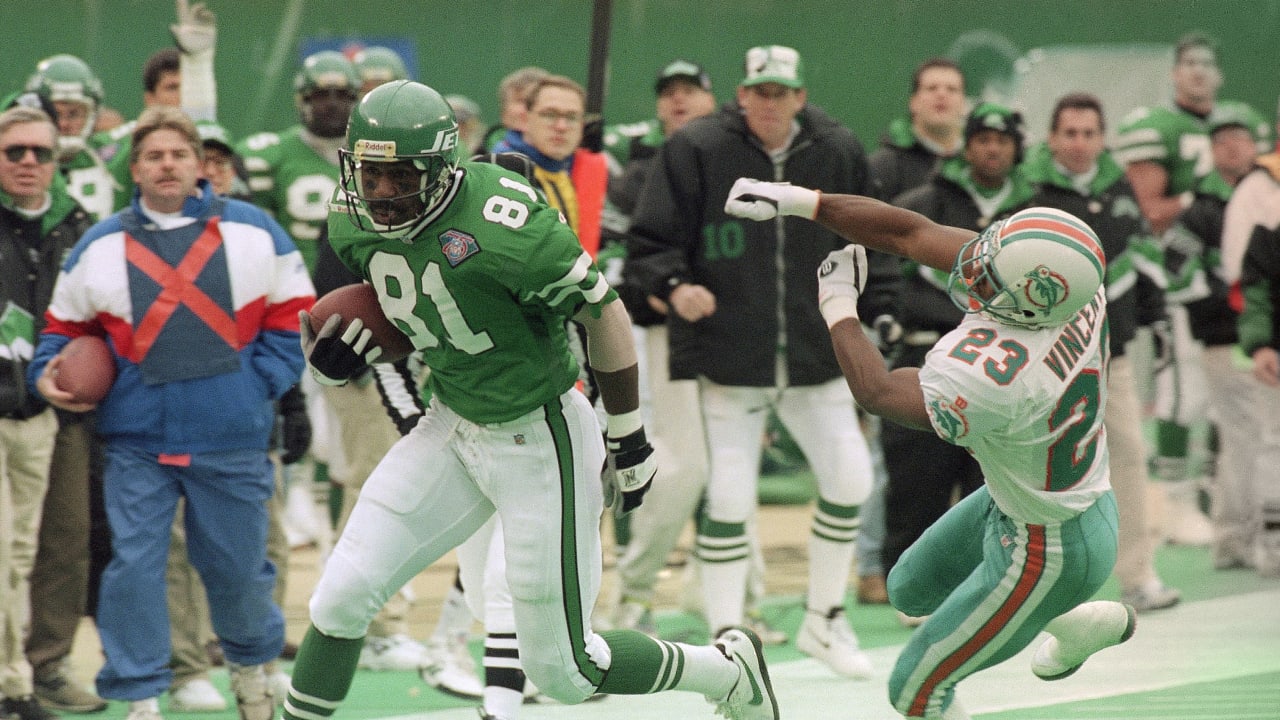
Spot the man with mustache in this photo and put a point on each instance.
(197, 296)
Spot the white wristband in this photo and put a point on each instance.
(801, 202)
(622, 425)
(840, 307)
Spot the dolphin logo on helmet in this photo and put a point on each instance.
(1036, 269)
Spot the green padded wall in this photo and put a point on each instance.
(859, 54)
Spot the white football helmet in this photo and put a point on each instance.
(1035, 269)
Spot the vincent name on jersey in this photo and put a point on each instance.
(1074, 338)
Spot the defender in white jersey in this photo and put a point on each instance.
(1021, 384)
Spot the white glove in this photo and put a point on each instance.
(759, 200)
(841, 278)
(196, 30)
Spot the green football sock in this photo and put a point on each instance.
(321, 675)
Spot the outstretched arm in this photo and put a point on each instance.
(863, 220)
(880, 226)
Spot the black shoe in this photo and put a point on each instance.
(26, 708)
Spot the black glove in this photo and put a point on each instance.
(335, 359)
(593, 134)
(1161, 345)
(295, 427)
(631, 468)
(888, 331)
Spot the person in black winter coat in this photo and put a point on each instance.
(981, 185)
(744, 324)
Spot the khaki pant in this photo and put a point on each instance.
(26, 451)
(60, 576)
(1139, 527)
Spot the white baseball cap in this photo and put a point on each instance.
(774, 64)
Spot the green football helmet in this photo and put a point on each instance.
(377, 65)
(325, 70)
(400, 121)
(67, 78)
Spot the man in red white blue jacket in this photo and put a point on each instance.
(198, 298)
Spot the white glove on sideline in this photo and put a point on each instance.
(196, 30)
(759, 200)
(841, 278)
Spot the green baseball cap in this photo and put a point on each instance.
(211, 133)
(774, 64)
(1233, 113)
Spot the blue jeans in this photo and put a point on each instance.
(226, 521)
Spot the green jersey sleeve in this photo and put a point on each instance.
(1173, 139)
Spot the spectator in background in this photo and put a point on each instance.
(512, 109)
(972, 190)
(39, 224)
(910, 152)
(191, 627)
(1253, 205)
(744, 326)
(573, 178)
(471, 127)
(1166, 152)
(1254, 213)
(59, 578)
(293, 173)
(161, 85)
(1074, 172)
(66, 569)
(74, 91)
(912, 147)
(1230, 395)
(645, 537)
(160, 445)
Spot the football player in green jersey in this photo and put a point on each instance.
(1165, 150)
(292, 173)
(1167, 153)
(74, 91)
(481, 275)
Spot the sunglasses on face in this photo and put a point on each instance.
(15, 153)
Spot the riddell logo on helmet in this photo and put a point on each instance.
(1045, 288)
(375, 148)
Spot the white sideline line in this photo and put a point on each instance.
(1194, 642)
